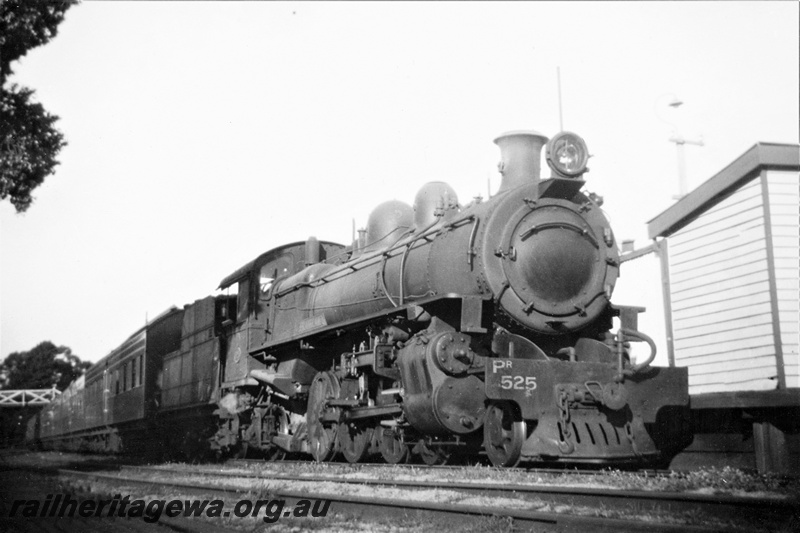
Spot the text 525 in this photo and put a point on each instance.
(518, 382)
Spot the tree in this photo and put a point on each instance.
(29, 141)
(29, 144)
(43, 367)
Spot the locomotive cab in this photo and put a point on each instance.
(252, 327)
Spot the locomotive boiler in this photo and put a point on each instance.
(449, 329)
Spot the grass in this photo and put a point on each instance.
(725, 480)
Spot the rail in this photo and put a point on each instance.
(565, 508)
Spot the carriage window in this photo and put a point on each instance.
(116, 380)
(141, 369)
(124, 377)
(133, 371)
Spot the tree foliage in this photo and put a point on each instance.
(29, 144)
(26, 24)
(43, 367)
(29, 141)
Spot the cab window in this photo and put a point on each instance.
(280, 267)
(243, 299)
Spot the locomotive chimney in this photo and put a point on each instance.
(520, 158)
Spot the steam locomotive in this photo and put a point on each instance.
(443, 330)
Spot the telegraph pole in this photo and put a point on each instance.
(680, 141)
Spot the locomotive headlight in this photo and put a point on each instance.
(567, 154)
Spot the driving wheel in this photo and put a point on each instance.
(322, 433)
(392, 445)
(354, 441)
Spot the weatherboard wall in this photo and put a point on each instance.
(733, 274)
(783, 190)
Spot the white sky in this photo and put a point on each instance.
(202, 134)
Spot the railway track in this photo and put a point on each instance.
(416, 467)
(542, 507)
(611, 501)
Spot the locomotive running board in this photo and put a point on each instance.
(475, 311)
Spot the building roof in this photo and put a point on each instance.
(762, 156)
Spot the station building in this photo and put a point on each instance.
(730, 266)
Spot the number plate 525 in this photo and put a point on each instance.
(518, 382)
(512, 378)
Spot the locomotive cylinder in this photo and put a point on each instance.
(440, 396)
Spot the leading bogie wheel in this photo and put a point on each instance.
(503, 434)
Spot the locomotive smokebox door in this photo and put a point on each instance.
(555, 260)
(552, 264)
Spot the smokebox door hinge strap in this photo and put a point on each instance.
(471, 253)
(560, 225)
